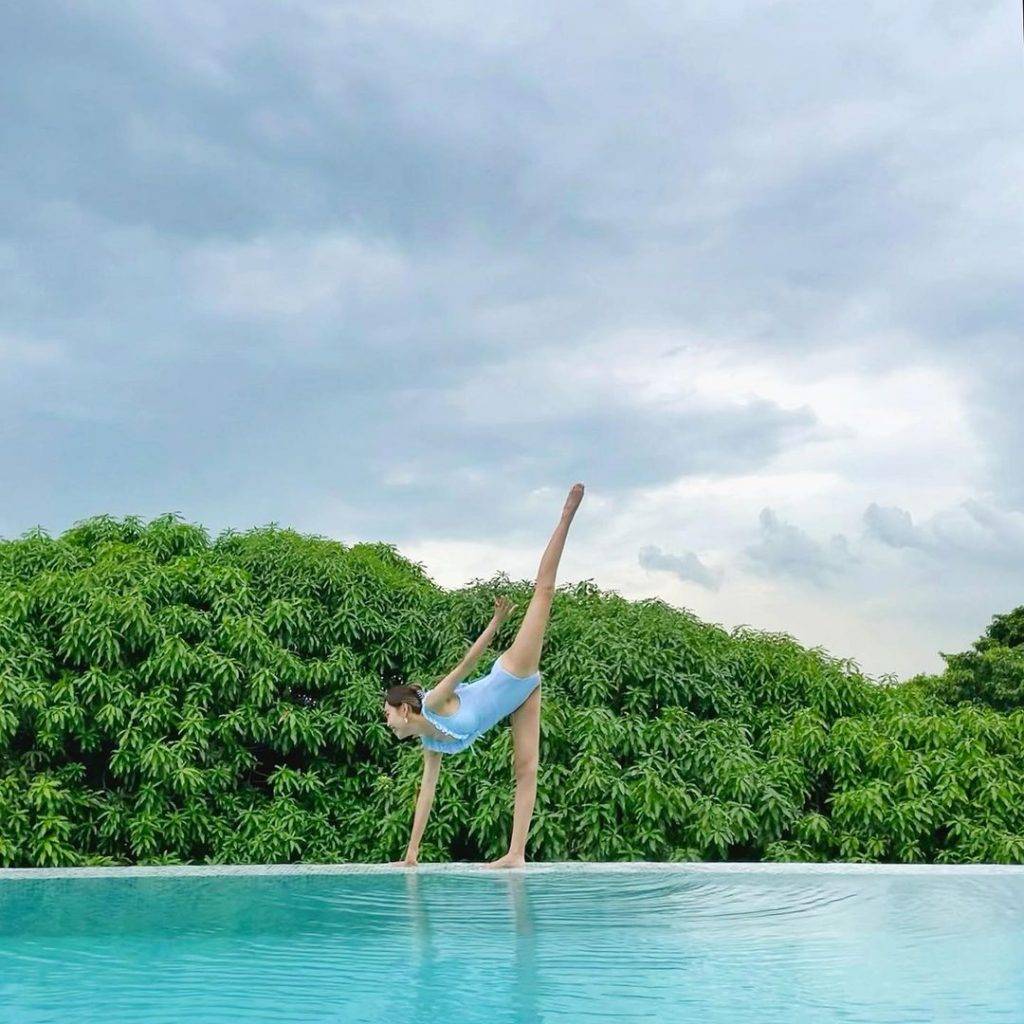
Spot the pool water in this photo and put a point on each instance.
(565, 943)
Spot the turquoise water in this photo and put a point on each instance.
(544, 944)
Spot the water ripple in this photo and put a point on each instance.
(535, 946)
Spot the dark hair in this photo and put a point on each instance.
(396, 696)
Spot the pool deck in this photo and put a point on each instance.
(542, 867)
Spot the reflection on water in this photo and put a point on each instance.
(546, 945)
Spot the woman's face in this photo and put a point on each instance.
(398, 720)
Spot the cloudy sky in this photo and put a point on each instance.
(404, 272)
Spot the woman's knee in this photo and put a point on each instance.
(525, 765)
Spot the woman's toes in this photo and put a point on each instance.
(575, 496)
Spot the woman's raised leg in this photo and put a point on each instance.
(523, 657)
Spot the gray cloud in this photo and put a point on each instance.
(258, 262)
(213, 431)
(449, 137)
(892, 526)
(787, 550)
(971, 533)
(688, 567)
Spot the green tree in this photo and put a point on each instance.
(168, 697)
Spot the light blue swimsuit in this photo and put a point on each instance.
(482, 703)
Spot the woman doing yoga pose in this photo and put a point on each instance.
(451, 715)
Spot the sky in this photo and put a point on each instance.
(404, 272)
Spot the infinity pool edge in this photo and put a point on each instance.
(570, 867)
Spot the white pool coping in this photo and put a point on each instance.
(542, 867)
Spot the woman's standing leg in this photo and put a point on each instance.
(525, 721)
(523, 659)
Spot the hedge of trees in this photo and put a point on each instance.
(168, 698)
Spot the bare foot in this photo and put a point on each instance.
(573, 501)
(510, 860)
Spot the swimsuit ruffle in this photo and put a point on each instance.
(446, 746)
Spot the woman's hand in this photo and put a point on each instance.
(503, 608)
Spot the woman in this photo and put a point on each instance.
(449, 717)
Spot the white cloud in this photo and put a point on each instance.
(295, 275)
(30, 352)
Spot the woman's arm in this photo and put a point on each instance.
(424, 801)
(439, 695)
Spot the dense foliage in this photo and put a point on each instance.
(166, 697)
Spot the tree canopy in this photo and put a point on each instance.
(166, 697)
